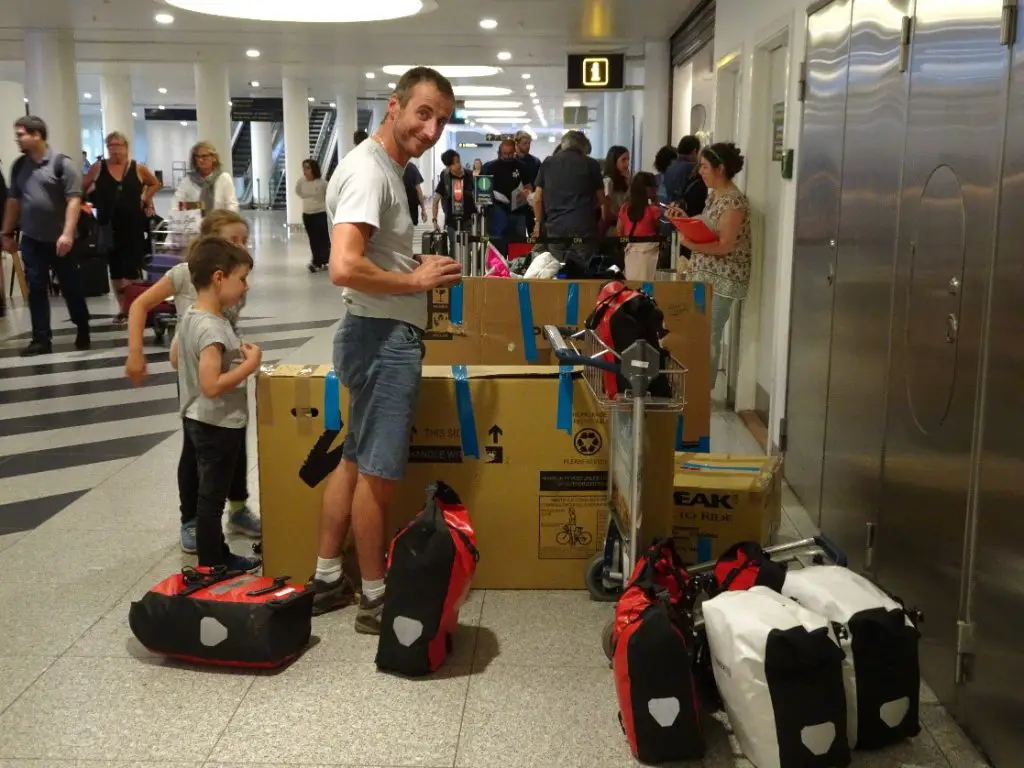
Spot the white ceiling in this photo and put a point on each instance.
(122, 34)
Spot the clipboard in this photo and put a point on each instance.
(695, 230)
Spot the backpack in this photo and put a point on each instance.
(747, 565)
(621, 317)
(431, 564)
(227, 618)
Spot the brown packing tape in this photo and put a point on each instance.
(307, 421)
(264, 399)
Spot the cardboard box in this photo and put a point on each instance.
(493, 321)
(720, 499)
(525, 447)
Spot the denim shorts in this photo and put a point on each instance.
(380, 363)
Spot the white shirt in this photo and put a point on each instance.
(313, 193)
(224, 196)
(367, 188)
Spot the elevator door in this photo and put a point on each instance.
(815, 248)
(959, 73)
(876, 113)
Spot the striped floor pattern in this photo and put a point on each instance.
(70, 420)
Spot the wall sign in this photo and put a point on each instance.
(778, 130)
(257, 110)
(484, 191)
(596, 72)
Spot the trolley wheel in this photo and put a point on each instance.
(596, 584)
(158, 333)
(606, 639)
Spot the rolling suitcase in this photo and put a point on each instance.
(434, 243)
(162, 318)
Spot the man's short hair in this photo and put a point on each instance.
(448, 157)
(211, 254)
(418, 75)
(359, 137)
(688, 145)
(32, 124)
(576, 140)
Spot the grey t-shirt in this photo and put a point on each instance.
(42, 190)
(185, 293)
(570, 181)
(197, 330)
(367, 188)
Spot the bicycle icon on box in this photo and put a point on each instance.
(573, 535)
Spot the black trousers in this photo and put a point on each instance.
(218, 451)
(39, 258)
(188, 478)
(319, 236)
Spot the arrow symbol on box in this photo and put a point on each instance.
(495, 432)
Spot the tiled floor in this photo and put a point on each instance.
(87, 500)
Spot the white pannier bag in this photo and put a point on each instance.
(881, 671)
(778, 667)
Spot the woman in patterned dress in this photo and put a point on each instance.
(725, 263)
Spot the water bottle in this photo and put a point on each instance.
(332, 401)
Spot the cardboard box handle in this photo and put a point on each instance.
(306, 413)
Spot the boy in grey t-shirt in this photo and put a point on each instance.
(212, 368)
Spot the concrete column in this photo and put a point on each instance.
(296, 139)
(213, 110)
(657, 82)
(116, 104)
(51, 84)
(12, 106)
(262, 161)
(347, 114)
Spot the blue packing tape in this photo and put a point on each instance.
(526, 320)
(699, 296)
(572, 305)
(464, 408)
(703, 549)
(332, 402)
(648, 288)
(704, 444)
(680, 444)
(565, 393)
(455, 303)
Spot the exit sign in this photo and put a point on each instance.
(596, 72)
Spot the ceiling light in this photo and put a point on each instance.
(481, 90)
(26, 99)
(161, 90)
(551, 139)
(446, 70)
(525, 75)
(370, 75)
(575, 103)
(254, 83)
(504, 55)
(87, 95)
(392, 86)
(135, 114)
(163, 18)
(488, 113)
(488, 24)
(492, 104)
(333, 105)
(184, 124)
(306, 10)
(310, 99)
(231, 103)
(505, 120)
(161, 107)
(529, 86)
(252, 53)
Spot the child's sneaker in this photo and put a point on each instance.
(242, 563)
(245, 522)
(188, 538)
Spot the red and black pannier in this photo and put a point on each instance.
(227, 618)
(621, 317)
(747, 565)
(659, 707)
(430, 568)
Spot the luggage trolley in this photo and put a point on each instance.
(640, 364)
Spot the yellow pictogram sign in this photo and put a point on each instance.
(595, 72)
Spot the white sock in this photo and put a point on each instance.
(373, 590)
(328, 569)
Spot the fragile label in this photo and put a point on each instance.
(570, 525)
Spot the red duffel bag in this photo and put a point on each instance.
(227, 618)
(430, 568)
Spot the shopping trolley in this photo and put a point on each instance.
(640, 364)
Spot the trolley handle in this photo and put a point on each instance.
(831, 550)
(569, 356)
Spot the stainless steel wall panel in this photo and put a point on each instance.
(956, 117)
(992, 703)
(818, 195)
(876, 113)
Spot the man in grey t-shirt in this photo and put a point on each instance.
(378, 350)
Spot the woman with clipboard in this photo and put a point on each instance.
(720, 239)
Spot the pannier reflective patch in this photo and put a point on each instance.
(212, 632)
(893, 712)
(819, 738)
(407, 630)
(664, 711)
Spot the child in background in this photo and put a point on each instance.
(177, 282)
(639, 217)
(212, 368)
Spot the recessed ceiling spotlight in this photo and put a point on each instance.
(486, 114)
(184, 124)
(161, 90)
(87, 95)
(392, 86)
(135, 114)
(447, 70)
(306, 10)
(529, 86)
(26, 99)
(161, 107)
(163, 18)
(254, 83)
(310, 99)
(525, 75)
(551, 139)
(488, 24)
(370, 75)
(504, 55)
(333, 105)
(252, 53)
(231, 103)
(492, 104)
(481, 90)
